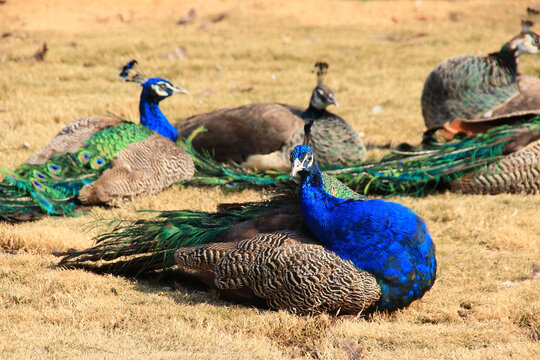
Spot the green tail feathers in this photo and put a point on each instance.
(51, 188)
(415, 173)
(211, 173)
(146, 245)
(135, 247)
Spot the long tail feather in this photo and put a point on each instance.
(417, 172)
(135, 247)
(51, 188)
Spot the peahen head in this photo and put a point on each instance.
(322, 95)
(526, 42)
(303, 161)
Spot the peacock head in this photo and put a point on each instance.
(322, 95)
(526, 42)
(154, 89)
(303, 161)
(157, 89)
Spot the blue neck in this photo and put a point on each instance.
(153, 118)
(315, 204)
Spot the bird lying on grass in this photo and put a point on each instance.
(99, 160)
(261, 136)
(471, 94)
(307, 253)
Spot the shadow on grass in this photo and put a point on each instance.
(181, 286)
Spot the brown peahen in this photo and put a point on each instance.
(99, 160)
(261, 135)
(471, 94)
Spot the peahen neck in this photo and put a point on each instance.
(153, 118)
(506, 58)
(313, 113)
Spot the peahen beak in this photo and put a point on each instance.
(179, 90)
(333, 100)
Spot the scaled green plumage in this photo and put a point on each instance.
(466, 87)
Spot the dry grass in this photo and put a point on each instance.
(484, 304)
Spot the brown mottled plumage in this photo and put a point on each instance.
(143, 168)
(287, 270)
(136, 170)
(517, 172)
(261, 136)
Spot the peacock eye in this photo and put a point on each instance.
(163, 86)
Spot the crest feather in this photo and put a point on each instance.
(526, 25)
(132, 72)
(322, 69)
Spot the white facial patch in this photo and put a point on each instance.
(317, 100)
(309, 159)
(296, 167)
(526, 45)
(160, 88)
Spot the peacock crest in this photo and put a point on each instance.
(132, 72)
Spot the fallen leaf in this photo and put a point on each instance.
(189, 17)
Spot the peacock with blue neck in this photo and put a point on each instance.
(383, 238)
(77, 165)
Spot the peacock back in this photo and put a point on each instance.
(55, 183)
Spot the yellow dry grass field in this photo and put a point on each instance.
(485, 303)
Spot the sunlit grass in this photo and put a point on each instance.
(484, 304)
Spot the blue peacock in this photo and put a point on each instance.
(305, 251)
(99, 160)
(383, 238)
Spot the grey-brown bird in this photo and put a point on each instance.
(261, 135)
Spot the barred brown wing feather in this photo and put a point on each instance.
(287, 270)
(518, 172)
(143, 168)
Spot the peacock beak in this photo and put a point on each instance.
(296, 167)
(179, 90)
